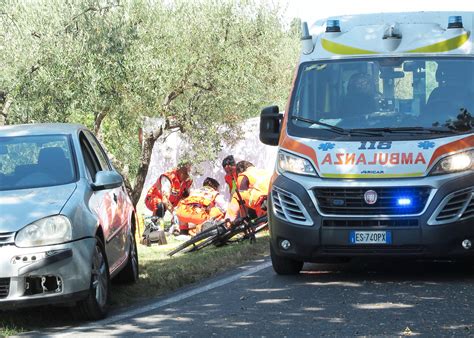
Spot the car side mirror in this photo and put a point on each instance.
(107, 180)
(270, 125)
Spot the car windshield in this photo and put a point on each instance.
(384, 95)
(35, 161)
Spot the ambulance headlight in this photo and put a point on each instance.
(455, 163)
(294, 164)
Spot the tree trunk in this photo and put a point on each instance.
(5, 104)
(149, 140)
(151, 133)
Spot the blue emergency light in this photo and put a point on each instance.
(455, 21)
(404, 202)
(332, 26)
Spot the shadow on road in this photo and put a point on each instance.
(359, 298)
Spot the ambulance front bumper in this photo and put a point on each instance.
(436, 229)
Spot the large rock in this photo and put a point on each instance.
(166, 156)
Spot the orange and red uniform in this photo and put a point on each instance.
(231, 181)
(200, 206)
(256, 191)
(177, 192)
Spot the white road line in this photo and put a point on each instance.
(161, 303)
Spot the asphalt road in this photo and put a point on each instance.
(376, 298)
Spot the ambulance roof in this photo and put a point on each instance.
(392, 34)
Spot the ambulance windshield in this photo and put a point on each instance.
(384, 95)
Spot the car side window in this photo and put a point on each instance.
(99, 151)
(91, 162)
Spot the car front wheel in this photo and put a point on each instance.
(95, 306)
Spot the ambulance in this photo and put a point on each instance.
(376, 145)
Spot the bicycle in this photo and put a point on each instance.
(219, 234)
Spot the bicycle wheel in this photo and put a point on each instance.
(248, 229)
(203, 244)
(199, 237)
(259, 224)
(236, 229)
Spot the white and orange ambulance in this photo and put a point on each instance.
(376, 146)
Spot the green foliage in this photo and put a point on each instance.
(109, 63)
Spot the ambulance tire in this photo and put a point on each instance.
(284, 265)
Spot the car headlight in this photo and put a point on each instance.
(47, 231)
(454, 163)
(294, 164)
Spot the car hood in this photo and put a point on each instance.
(22, 207)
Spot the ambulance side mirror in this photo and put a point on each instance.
(270, 125)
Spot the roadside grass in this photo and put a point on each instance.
(159, 274)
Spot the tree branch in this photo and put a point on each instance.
(208, 88)
(6, 102)
(87, 10)
(98, 118)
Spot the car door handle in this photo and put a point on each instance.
(115, 198)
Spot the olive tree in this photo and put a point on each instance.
(196, 67)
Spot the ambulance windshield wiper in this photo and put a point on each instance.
(416, 130)
(335, 129)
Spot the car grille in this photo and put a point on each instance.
(370, 223)
(350, 201)
(7, 238)
(289, 208)
(4, 287)
(459, 205)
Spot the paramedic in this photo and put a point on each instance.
(201, 205)
(169, 189)
(230, 178)
(250, 198)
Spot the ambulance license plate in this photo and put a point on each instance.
(370, 237)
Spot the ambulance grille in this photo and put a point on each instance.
(4, 287)
(456, 206)
(368, 223)
(350, 201)
(469, 212)
(288, 207)
(7, 238)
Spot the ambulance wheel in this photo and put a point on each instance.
(284, 265)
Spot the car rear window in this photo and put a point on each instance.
(35, 161)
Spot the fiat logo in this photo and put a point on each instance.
(370, 197)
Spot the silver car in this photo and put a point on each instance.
(67, 224)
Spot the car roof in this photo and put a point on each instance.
(40, 129)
